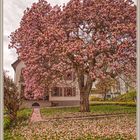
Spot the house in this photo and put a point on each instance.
(67, 94)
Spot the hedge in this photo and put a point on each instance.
(133, 104)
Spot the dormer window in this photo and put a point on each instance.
(69, 76)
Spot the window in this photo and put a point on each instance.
(69, 76)
(69, 91)
(30, 95)
(108, 96)
(57, 91)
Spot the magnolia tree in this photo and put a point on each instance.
(91, 37)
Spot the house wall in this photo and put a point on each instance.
(29, 103)
(62, 100)
(18, 74)
(97, 95)
(123, 88)
(66, 98)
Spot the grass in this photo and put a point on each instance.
(112, 109)
(52, 111)
(131, 104)
(22, 115)
(96, 109)
(6, 122)
(35, 131)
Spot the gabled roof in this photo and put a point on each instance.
(14, 65)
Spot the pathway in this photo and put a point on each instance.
(36, 115)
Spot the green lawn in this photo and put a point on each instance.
(24, 114)
(95, 109)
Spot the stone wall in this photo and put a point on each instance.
(43, 103)
(28, 104)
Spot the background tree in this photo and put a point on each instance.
(130, 81)
(94, 38)
(106, 85)
(12, 98)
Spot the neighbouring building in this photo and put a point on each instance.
(119, 88)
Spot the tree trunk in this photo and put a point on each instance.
(84, 102)
(85, 85)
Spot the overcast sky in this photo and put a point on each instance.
(13, 12)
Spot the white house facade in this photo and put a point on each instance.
(62, 94)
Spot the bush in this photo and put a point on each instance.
(12, 99)
(133, 104)
(127, 97)
(93, 98)
(7, 122)
(22, 115)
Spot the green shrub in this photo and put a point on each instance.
(12, 100)
(127, 97)
(7, 122)
(93, 98)
(133, 104)
(24, 114)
